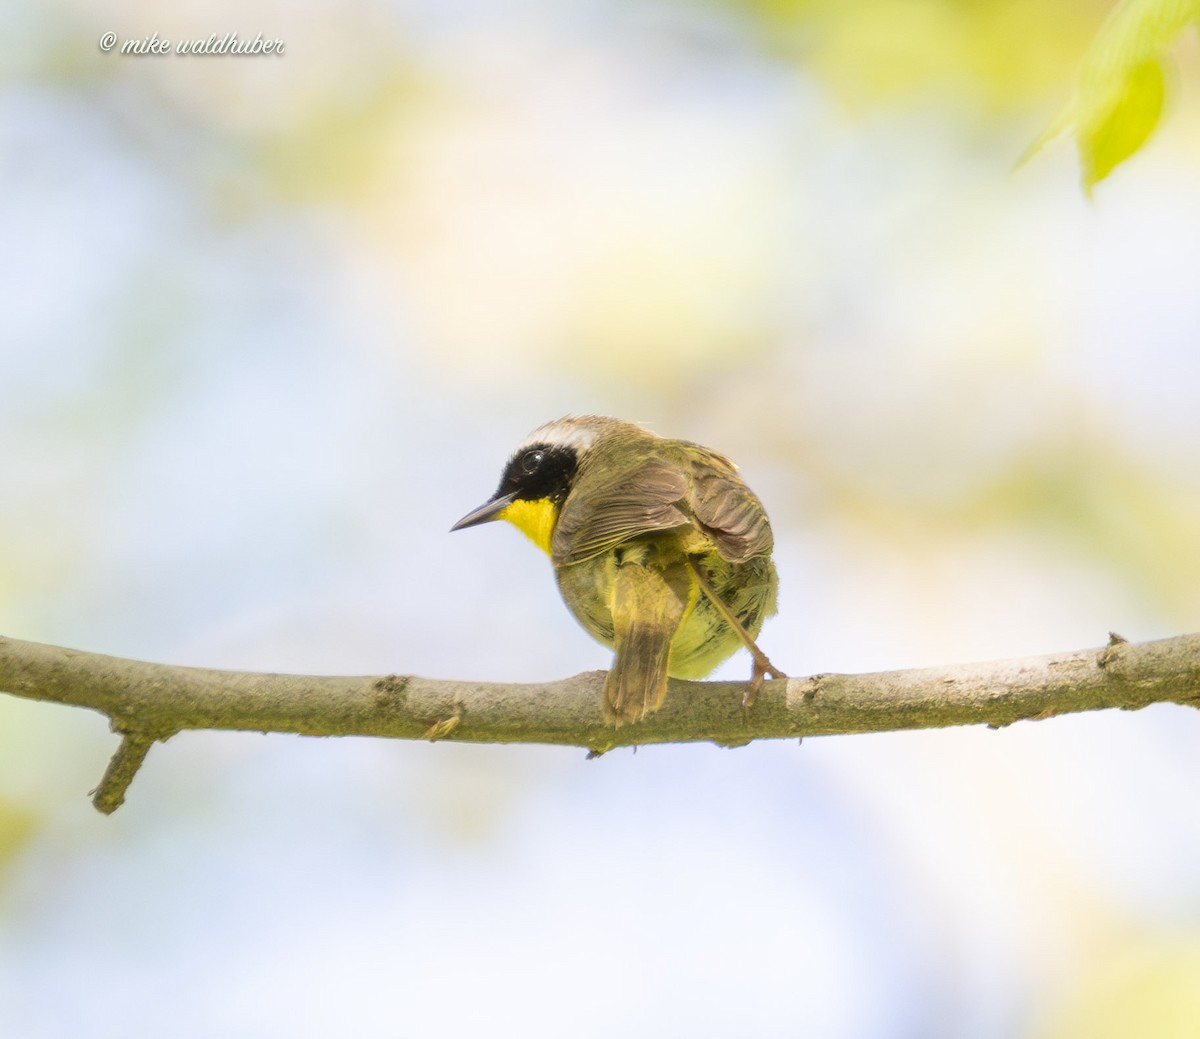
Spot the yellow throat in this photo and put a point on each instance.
(534, 519)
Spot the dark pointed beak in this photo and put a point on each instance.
(486, 512)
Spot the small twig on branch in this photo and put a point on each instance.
(110, 794)
(149, 702)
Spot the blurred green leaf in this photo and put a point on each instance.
(1120, 128)
(1119, 97)
(1001, 55)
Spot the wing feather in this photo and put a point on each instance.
(682, 485)
(730, 513)
(611, 511)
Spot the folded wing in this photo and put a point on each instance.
(687, 486)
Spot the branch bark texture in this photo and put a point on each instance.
(147, 702)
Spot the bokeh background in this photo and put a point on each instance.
(270, 325)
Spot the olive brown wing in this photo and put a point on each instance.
(727, 510)
(605, 510)
(698, 487)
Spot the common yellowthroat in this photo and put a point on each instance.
(660, 550)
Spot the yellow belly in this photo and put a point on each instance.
(703, 639)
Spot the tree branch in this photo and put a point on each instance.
(147, 703)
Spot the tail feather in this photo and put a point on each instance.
(637, 684)
(648, 607)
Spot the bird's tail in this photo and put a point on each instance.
(637, 684)
(648, 607)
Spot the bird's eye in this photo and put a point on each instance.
(532, 461)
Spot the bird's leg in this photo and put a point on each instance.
(762, 663)
(762, 668)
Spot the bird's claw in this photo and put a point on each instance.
(762, 668)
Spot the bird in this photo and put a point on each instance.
(659, 548)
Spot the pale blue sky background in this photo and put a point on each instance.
(272, 326)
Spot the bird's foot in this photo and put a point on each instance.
(762, 668)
